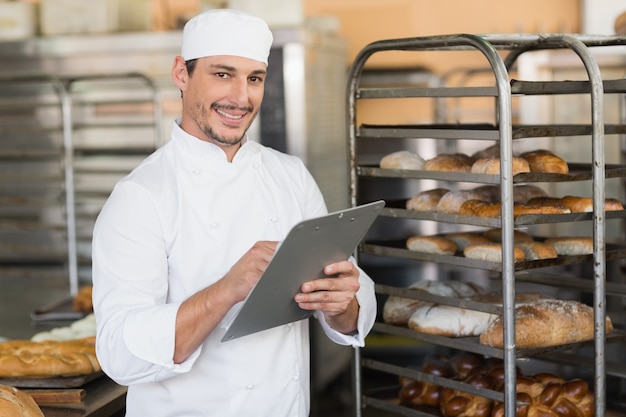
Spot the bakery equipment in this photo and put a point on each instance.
(501, 53)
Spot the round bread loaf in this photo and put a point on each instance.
(16, 403)
(537, 250)
(490, 193)
(452, 201)
(561, 321)
(431, 244)
(585, 204)
(492, 151)
(402, 160)
(491, 252)
(542, 160)
(426, 200)
(495, 235)
(523, 193)
(491, 166)
(457, 162)
(571, 245)
(463, 239)
(397, 310)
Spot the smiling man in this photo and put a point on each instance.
(184, 238)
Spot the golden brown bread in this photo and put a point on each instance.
(491, 166)
(426, 200)
(457, 403)
(25, 358)
(16, 403)
(457, 162)
(571, 245)
(483, 209)
(431, 244)
(82, 301)
(585, 204)
(452, 201)
(544, 201)
(413, 392)
(542, 160)
(491, 252)
(463, 239)
(537, 250)
(561, 321)
(402, 160)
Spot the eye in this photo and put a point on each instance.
(256, 79)
(221, 75)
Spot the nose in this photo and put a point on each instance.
(239, 92)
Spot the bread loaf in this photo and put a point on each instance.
(82, 301)
(25, 358)
(545, 201)
(493, 210)
(452, 201)
(490, 193)
(463, 239)
(537, 250)
(457, 403)
(523, 193)
(431, 244)
(542, 160)
(491, 166)
(585, 204)
(492, 151)
(402, 160)
(426, 200)
(398, 310)
(16, 403)
(491, 252)
(413, 392)
(457, 162)
(571, 246)
(561, 322)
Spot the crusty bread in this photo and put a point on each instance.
(452, 201)
(426, 200)
(402, 160)
(490, 193)
(585, 204)
(537, 250)
(463, 239)
(485, 209)
(492, 151)
(492, 166)
(16, 403)
(431, 244)
(542, 160)
(491, 252)
(25, 358)
(457, 162)
(571, 245)
(523, 193)
(545, 201)
(495, 235)
(397, 310)
(561, 322)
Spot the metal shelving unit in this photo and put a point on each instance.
(501, 53)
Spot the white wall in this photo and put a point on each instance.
(599, 16)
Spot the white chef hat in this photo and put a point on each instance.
(226, 32)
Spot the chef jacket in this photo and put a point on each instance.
(176, 225)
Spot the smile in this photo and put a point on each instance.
(230, 116)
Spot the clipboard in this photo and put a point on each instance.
(308, 248)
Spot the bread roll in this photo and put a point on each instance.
(426, 200)
(397, 310)
(431, 244)
(402, 160)
(413, 392)
(457, 162)
(492, 166)
(452, 201)
(523, 193)
(561, 322)
(16, 403)
(537, 250)
(542, 160)
(463, 239)
(491, 252)
(585, 204)
(495, 235)
(492, 151)
(571, 246)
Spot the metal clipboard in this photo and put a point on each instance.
(308, 248)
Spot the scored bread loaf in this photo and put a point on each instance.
(457, 162)
(402, 160)
(397, 310)
(542, 160)
(492, 166)
(561, 322)
(16, 403)
(431, 244)
(571, 245)
(491, 252)
(25, 358)
(426, 200)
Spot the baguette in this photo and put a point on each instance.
(16, 403)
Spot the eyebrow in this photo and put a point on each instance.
(233, 69)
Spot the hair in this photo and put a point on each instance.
(191, 66)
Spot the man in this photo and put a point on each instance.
(184, 238)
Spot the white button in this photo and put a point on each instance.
(196, 171)
(249, 387)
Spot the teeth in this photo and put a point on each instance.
(228, 115)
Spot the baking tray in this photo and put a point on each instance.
(52, 382)
(57, 310)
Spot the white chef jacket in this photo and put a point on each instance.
(175, 225)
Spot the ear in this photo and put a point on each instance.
(179, 73)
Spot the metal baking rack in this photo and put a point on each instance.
(501, 52)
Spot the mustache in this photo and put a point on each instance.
(231, 107)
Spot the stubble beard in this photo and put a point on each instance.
(212, 134)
